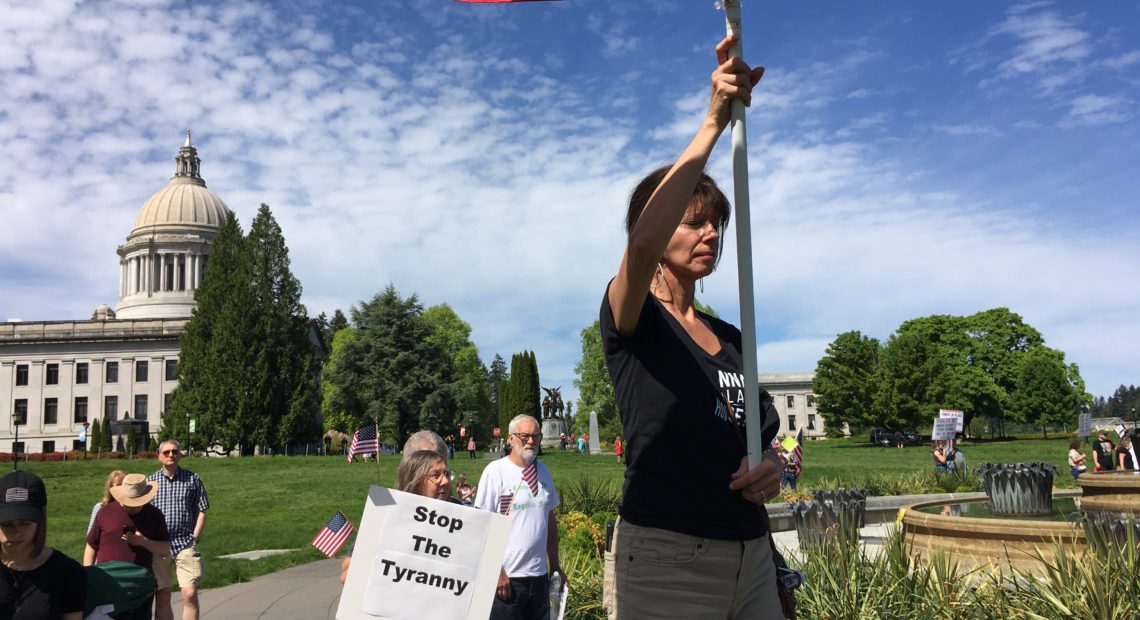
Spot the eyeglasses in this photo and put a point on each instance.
(525, 437)
(171, 452)
(439, 477)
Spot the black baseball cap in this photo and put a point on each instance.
(23, 497)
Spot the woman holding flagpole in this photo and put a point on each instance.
(678, 380)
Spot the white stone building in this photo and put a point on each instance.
(57, 375)
(795, 402)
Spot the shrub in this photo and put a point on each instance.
(589, 495)
(584, 571)
(577, 531)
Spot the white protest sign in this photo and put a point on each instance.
(958, 416)
(1120, 430)
(418, 558)
(944, 428)
(1084, 425)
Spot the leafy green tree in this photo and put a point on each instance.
(845, 382)
(703, 308)
(472, 395)
(595, 388)
(334, 417)
(464, 390)
(1046, 390)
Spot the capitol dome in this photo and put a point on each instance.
(164, 259)
(185, 203)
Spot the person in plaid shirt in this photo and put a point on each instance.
(182, 500)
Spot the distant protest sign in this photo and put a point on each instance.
(958, 416)
(1084, 425)
(418, 558)
(944, 428)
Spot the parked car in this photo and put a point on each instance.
(886, 437)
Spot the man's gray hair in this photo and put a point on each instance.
(514, 425)
(173, 442)
(425, 440)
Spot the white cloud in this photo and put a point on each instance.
(1097, 110)
(458, 168)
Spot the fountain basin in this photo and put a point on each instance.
(1123, 503)
(1109, 483)
(975, 542)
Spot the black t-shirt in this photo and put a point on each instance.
(57, 587)
(1103, 454)
(682, 443)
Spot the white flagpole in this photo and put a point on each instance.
(744, 252)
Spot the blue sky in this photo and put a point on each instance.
(906, 158)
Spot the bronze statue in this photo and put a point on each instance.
(552, 406)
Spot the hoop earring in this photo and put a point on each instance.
(657, 274)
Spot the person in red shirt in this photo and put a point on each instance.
(618, 449)
(129, 529)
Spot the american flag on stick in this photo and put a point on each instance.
(364, 442)
(333, 535)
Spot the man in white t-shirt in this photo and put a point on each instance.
(519, 486)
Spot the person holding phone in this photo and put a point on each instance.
(130, 529)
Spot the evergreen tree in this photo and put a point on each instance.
(387, 372)
(534, 393)
(105, 436)
(95, 437)
(338, 322)
(132, 441)
(495, 377)
(215, 377)
(285, 371)
(505, 406)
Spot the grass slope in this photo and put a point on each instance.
(280, 502)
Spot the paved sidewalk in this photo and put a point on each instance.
(305, 592)
(312, 591)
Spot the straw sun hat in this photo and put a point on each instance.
(135, 491)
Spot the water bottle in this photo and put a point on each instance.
(555, 593)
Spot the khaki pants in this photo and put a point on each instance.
(653, 573)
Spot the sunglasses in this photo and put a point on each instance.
(171, 452)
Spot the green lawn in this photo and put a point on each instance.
(281, 502)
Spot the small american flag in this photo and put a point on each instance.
(505, 503)
(799, 450)
(333, 535)
(364, 442)
(530, 475)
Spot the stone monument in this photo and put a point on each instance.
(553, 418)
(595, 443)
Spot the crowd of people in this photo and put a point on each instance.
(152, 522)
